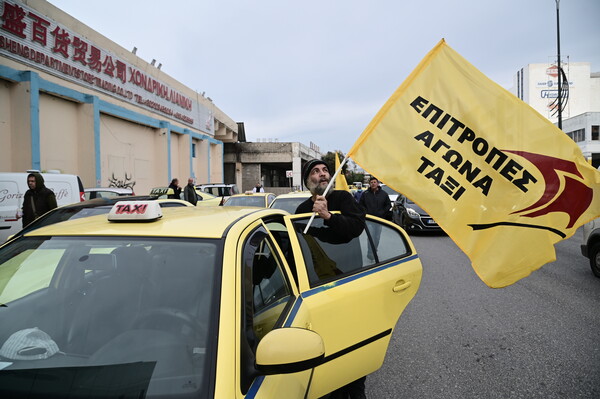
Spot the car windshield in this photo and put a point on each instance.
(288, 204)
(249, 200)
(115, 316)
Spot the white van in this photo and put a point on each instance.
(67, 188)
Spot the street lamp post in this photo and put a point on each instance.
(559, 70)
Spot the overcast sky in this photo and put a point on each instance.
(318, 71)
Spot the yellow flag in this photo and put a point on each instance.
(497, 176)
(340, 180)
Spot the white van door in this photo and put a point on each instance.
(11, 199)
(65, 189)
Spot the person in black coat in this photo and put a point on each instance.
(376, 201)
(176, 189)
(38, 200)
(342, 228)
(350, 222)
(189, 193)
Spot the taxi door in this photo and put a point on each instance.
(353, 293)
(266, 293)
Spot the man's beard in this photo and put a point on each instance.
(316, 188)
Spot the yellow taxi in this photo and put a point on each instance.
(249, 198)
(204, 199)
(222, 302)
(289, 202)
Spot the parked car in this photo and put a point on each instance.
(289, 202)
(219, 189)
(411, 217)
(198, 302)
(68, 189)
(590, 248)
(204, 199)
(261, 200)
(107, 192)
(390, 192)
(97, 206)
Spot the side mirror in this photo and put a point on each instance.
(289, 350)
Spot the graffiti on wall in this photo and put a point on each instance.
(126, 183)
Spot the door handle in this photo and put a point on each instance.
(401, 285)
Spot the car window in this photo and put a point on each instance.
(212, 190)
(327, 259)
(249, 200)
(171, 204)
(287, 204)
(266, 294)
(132, 308)
(107, 194)
(30, 270)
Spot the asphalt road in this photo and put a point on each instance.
(539, 338)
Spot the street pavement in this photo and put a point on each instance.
(539, 338)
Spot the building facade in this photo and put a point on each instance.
(537, 85)
(74, 101)
(277, 166)
(584, 129)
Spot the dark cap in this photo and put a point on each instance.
(308, 167)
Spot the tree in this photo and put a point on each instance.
(329, 159)
(351, 175)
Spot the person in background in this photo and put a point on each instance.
(258, 188)
(189, 193)
(37, 200)
(377, 203)
(176, 189)
(358, 193)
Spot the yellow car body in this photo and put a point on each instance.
(250, 304)
(260, 200)
(204, 199)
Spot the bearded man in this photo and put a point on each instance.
(342, 227)
(350, 222)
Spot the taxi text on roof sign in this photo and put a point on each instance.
(135, 211)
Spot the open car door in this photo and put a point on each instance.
(353, 293)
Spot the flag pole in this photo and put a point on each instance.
(331, 181)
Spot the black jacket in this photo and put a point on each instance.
(377, 203)
(37, 202)
(176, 192)
(189, 194)
(347, 225)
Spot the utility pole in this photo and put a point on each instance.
(559, 70)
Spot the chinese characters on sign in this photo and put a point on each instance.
(40, 42)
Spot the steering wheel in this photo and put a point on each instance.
(162, 318)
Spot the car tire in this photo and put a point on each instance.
(594, 255)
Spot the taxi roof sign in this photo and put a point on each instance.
(135, 211)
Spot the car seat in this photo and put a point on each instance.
(111, 297)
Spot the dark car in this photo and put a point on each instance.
(411, 217)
